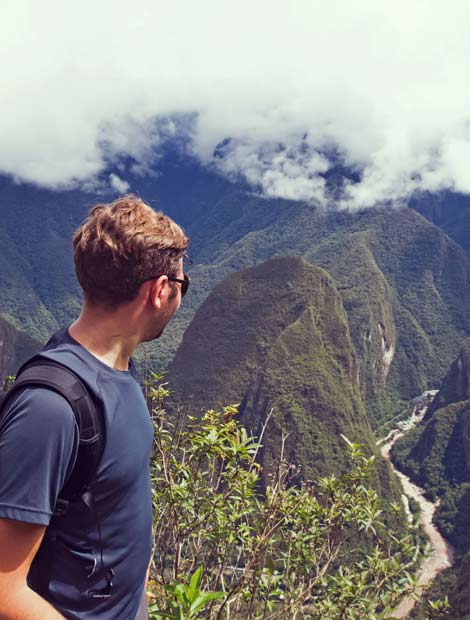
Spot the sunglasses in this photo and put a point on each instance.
(184, 283)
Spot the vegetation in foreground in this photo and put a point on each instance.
(228, 546)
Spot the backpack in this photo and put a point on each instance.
(42, 372)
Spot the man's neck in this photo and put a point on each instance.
(106, 336)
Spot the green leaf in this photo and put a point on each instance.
(205, 598)
(159, 613)
(194, 584)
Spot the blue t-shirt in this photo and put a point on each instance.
(38, 448)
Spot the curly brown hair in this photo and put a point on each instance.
(121, 245)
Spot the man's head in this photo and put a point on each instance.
(121, 246)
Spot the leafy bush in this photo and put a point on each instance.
(228, 546)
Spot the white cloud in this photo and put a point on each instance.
(383, 84)
(292, 173)
(118, 184)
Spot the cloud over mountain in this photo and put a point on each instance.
(272, 88)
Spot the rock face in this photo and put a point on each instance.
(369, 302)
(7, 347)
(466, 444)
(15, 348)
(275, 338)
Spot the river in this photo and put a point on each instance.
(441, 554)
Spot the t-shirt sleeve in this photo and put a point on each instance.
(38, 448)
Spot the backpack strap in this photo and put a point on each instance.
(43, 372)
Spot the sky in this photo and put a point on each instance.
(272, 92)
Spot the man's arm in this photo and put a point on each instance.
(19, 543)
(38, 447)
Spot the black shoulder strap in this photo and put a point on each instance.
(43, 372)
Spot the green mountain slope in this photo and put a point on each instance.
(38, 291)
(437, 457)
(275, 338)
(404, 284)
(456, 384)
(449, 211)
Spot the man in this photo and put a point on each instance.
(128, 261)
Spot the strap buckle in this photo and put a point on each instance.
(61, 507)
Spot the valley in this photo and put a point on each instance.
(441, 554)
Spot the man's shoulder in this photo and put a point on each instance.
(39, 441)
(39, 407)
(33, 399)
(60, 338)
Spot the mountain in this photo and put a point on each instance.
(456, 385)
(275, 339)
(405, 287)
(38, 291)
(449, 211)
(437, 457)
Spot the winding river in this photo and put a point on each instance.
(441, 554)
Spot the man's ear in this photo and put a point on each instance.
(158, 291)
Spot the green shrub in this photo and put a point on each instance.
(249, 550)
